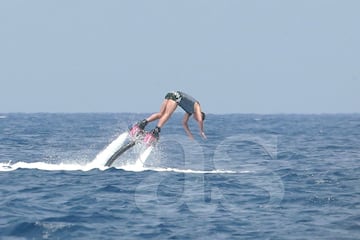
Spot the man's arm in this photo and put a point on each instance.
(198, 117)
(186, 126)
(201, 127)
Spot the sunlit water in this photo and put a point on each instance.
(255, 177)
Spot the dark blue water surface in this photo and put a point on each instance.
(255, 177)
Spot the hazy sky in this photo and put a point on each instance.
(234, 56)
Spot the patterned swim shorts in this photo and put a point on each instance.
(175, 96)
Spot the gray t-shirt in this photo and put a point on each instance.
(187, 102)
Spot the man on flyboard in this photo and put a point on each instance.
(172, 99)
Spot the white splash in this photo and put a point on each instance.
(138, 165)
(105, 154)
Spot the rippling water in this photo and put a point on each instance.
(256, 177)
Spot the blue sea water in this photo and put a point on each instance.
(255, 177)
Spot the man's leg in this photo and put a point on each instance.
(142, 124)
(169, 109)
(158, 115)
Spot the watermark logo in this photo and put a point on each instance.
(237, 176)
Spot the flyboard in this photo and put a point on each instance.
(136, 135)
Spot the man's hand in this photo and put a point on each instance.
(202, 134)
